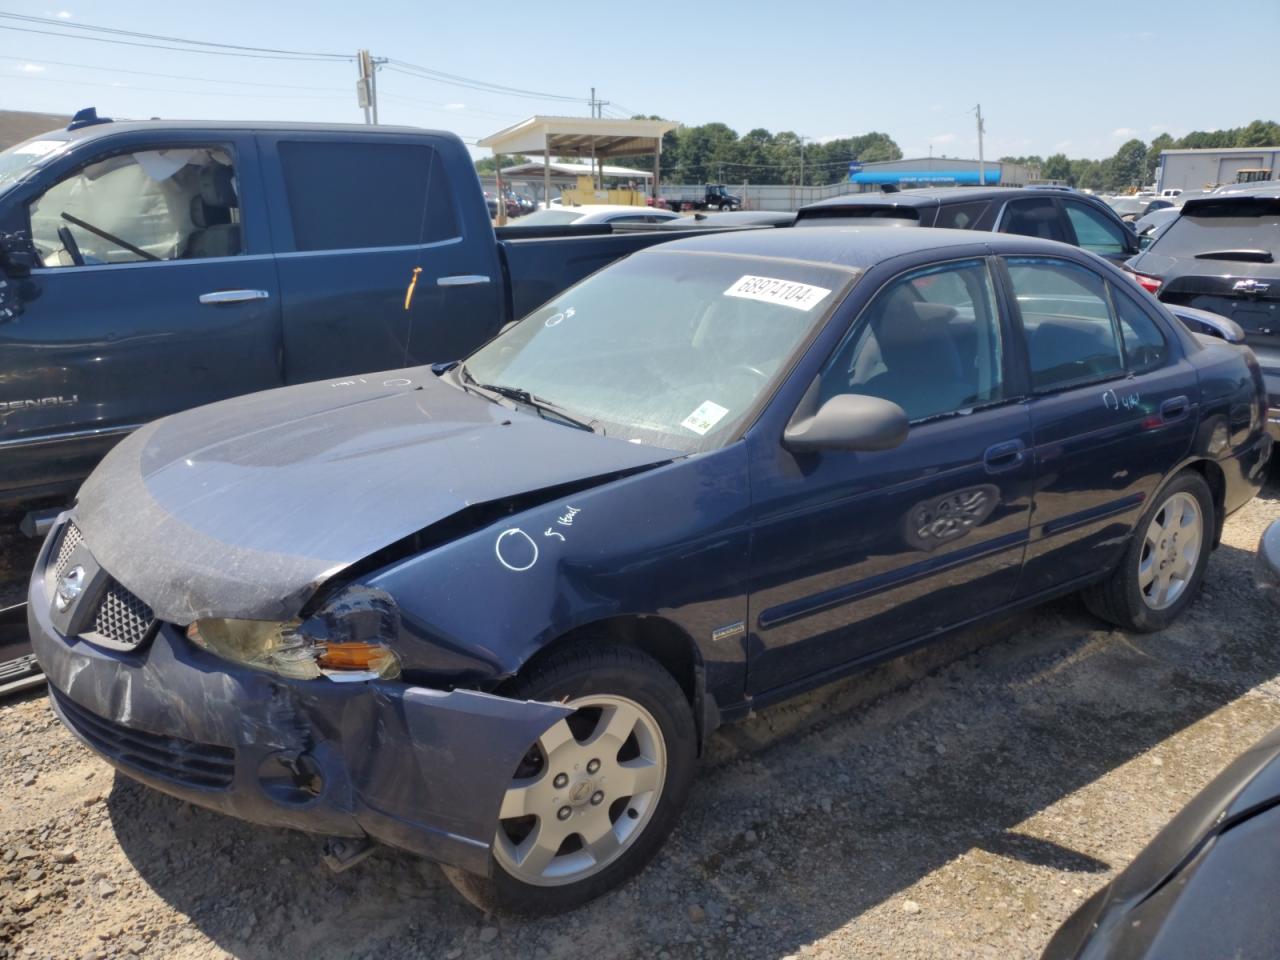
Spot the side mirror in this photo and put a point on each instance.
(17, 255)
(849, 421)
(1210, 324)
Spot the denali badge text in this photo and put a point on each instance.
(59, 401)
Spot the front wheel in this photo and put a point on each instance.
(596, 795)
(1164, 565)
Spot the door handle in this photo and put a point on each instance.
(1174, 409)
(1000, 457)
(233, 296)
(462, 280)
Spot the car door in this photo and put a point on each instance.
(855, 553)
(154, 291)
(361, 221)
(1113, 410)
(1100, 233)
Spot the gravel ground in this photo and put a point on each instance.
(957, 803)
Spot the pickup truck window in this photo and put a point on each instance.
(350, 195)
(150, 205)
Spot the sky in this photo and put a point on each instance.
(1079, 82)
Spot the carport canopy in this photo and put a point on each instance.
(581, 137)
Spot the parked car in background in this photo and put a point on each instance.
(1222, 254)
(582, 216)
(1149, 225)
(1130, 208)
(735, 219)
(1200, 888)
(490, 611)
(1074, 218)
(153, 266)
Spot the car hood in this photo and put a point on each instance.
(1104, 926)
(244, 507)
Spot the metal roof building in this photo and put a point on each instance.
(582, 137)
(1199, 169)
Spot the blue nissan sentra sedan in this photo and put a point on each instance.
(489, 611)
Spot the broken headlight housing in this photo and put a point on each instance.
(343, 641)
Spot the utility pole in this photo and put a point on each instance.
(597, 106)
(364, 85)
(802, 161)
(982, 167)
(367, 84)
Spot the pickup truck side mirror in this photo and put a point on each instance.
(17, 255)
(848, 421)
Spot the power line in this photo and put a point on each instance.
(174, 76)
(158, 46)
(445, 106)
(75, 25)
(425, 73)
(194, 93)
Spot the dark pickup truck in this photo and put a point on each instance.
(152, 266)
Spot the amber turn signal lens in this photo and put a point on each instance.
(372, 657)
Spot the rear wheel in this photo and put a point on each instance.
(596, 795)
(1163, 567)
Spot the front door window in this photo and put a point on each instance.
(177, 204)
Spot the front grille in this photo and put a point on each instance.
(71, 538)
(191, 764)
(122, 620)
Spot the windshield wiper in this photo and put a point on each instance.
(518, 395)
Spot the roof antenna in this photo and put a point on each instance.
(87, 117)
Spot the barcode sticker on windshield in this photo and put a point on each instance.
(785, 293)
(704, 418)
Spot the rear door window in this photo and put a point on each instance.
(1145, 347)
(1066, 319)
(1034, 218)
(961, 216)
(347, 195)
(1093, 230)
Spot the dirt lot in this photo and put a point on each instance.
(959, 803)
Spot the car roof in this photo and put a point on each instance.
(854, 247)
(924, 197)
(105, 128)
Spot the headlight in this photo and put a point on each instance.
(284, 648)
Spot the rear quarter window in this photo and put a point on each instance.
(345, 195)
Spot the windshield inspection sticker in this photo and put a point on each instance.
(704, 418)
(785, 293)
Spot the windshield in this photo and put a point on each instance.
(1223, 226)
(548, 218)
(665, 348)
(17, 161)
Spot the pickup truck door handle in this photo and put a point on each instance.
(462, 280)
(1000, 457)
(1174, 409)
(233, 296)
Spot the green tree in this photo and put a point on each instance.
(1128, 166)
(1260, 133)
(1056, 167)
(487, 166)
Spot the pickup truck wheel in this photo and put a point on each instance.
(1164, 565)
(596, 796)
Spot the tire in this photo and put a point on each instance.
(1131, 597)
(609, 680)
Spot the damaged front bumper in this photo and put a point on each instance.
(413, 767)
